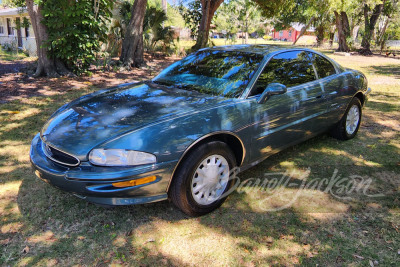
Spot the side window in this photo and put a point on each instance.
(323, 66)
(289, 68)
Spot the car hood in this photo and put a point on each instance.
(83, 124)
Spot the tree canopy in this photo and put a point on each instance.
(69, 33)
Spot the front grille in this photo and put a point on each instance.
(60, 157)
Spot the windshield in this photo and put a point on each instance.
(220, 73)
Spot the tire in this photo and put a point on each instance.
(204, 167)
(348, 126)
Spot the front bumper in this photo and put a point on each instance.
(94, 183)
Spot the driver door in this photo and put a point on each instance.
(286, 119)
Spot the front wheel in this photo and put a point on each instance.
(202, 179)
(348, 126)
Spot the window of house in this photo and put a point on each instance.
(280, 33)
(1, 26)
(10, 29)
(27, 33)
(290, 33)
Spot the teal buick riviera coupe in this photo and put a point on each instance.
(180, 135)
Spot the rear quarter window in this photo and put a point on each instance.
(324, 67)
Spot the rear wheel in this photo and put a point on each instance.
(348, 126)
(202, 179)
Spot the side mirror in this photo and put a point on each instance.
(272, 89)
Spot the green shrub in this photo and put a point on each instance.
(75, 30)
(9, 46)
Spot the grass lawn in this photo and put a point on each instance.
(10, 56)
(40, 225)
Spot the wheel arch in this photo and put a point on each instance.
(361, 97)
(231, 139)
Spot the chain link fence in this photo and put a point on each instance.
(15, 44)
(395, 44)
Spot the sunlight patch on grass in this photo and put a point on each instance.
(288, 164)
(359, 161)
(393, 124)
(11, 126)
(11, 228)
(31, 261)
(25, 113)
(120, 241)
(16, 152)
(26, 261)
(11, 56)
(11, 143)
(20, 114)
(45, 239)
(9, 189)
(9, 209)
(8, 169)
(193, 244)
(197, 243)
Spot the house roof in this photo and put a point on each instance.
(12, 11)
(298, 26)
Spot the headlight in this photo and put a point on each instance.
(120, 157)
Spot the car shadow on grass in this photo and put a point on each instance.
(386, 70)
(383, 105)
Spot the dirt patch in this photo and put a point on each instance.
(19, 85)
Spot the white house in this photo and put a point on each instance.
(22, 37)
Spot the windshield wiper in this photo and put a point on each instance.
(185, 87)
(188, 87)
(161, 83)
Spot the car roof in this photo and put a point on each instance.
(257, 49)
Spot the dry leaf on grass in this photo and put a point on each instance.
(5, 241)
(25, 250)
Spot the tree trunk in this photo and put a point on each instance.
(343, 28)
(332, 34)
(381, 39)
(208, 8)
(45, 65)
(354, 33)
(320, 34)
(304, 29)
(246, 40)
(132, 45)
(370, 24)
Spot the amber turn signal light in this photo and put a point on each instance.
(136, 182)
